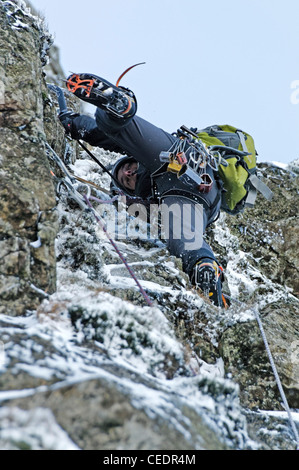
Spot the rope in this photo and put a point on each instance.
(277, 379)
(103, 201)
(145, 296)
(83, 201)
(282, 394)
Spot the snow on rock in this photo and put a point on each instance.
(96, 331)
(20, 18)
(32, 430)
(92, 366)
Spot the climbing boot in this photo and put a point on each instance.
(208, 276)
(118, 101)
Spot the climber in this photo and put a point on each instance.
(191, 208)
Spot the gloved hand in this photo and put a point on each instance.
(66, 118)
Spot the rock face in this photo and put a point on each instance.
(84, 364)
(266, 239)
(269, 232)
(28, 223)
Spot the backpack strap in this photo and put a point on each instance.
(255, 183)
(242, 140)
(261, 187)
(251, 197)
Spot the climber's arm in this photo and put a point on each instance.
(82, 127)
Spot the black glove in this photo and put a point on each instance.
(66, 118)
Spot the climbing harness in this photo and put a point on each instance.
(277, 379)
(189, 158)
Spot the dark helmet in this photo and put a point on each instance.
(116, 188)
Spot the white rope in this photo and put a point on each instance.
(280, 388)
(284, 399)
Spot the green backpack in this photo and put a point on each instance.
(239, 177)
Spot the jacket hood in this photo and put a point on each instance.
(143, 184)
(114, 187)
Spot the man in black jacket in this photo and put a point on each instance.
(192, 206)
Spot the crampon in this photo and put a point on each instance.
(207, 276)
(116, 100)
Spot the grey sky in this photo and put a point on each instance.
(218, 62)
